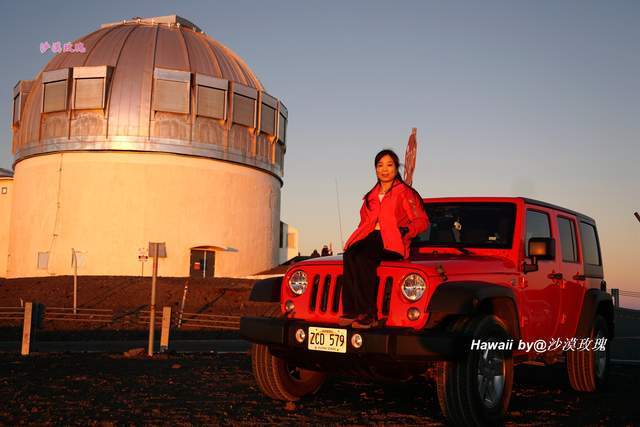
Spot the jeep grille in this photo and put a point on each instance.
(326, 293)
(386, 299)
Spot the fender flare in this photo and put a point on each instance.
(467, 297)
(595, 301)
(266, 290)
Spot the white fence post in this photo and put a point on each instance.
(166, 324)
(26, 328)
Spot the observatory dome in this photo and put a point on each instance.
(146, 129)
(154, 84)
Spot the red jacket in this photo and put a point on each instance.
(400, 207)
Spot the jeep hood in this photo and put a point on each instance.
(453, 265)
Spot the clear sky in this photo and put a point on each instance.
(537, 99)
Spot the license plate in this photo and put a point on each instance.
(327, 339)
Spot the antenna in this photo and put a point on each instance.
(339, 215)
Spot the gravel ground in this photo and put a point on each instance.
(100, 389)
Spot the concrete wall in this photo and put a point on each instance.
(6, 195)
(110, 204)
(290, 243)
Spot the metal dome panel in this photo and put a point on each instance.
(133, 50)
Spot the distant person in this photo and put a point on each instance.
(315, 254)
(325, 251)
(391, 215)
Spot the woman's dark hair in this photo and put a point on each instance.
(396, 161)
(390, 153)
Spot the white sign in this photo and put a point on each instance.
(78, 258)
(162, 249)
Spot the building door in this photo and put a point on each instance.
(202, 263)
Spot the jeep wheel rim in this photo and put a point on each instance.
(601, 358)
(491, 377)
(294, 372)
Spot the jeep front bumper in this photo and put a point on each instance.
(392, 343)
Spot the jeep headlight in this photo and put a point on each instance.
(298, 282)
(413, 287)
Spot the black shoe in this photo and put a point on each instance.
(346, 319)
(365, 322)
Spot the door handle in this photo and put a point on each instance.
(555, 276)
(579, 277)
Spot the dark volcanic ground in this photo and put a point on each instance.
(89, 389)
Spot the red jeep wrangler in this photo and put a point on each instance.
(490, 278)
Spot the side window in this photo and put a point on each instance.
(55, 96)
(172, 91)
(537, 226)
(567, 240)
(211, 102)
(244, 110)
(590, 249)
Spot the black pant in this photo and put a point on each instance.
(360, 281)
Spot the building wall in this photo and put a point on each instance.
(110, 204)
(289, 247)
(292, 242)
(6, 194)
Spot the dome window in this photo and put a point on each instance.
(283, 116)
(55, 90)
(211, 97)
(20, 92)
(279, 154)
(244, 105)
(172, 91)
(268, 108)
(90, 87)
(16, 108)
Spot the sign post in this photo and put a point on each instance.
(142, 257)
(157, 250)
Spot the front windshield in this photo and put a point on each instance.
(468, 224)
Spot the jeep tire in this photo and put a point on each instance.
(588, 370)
(476, 388)
(280, 381)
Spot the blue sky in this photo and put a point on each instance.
(538, 99)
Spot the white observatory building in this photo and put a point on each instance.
(156, 132)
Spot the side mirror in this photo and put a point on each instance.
(540, 248)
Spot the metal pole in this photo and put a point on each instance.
(615, 294)
(75, 281)
(339, 215)
(204, 263)
(184, 299)
(152, 307)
